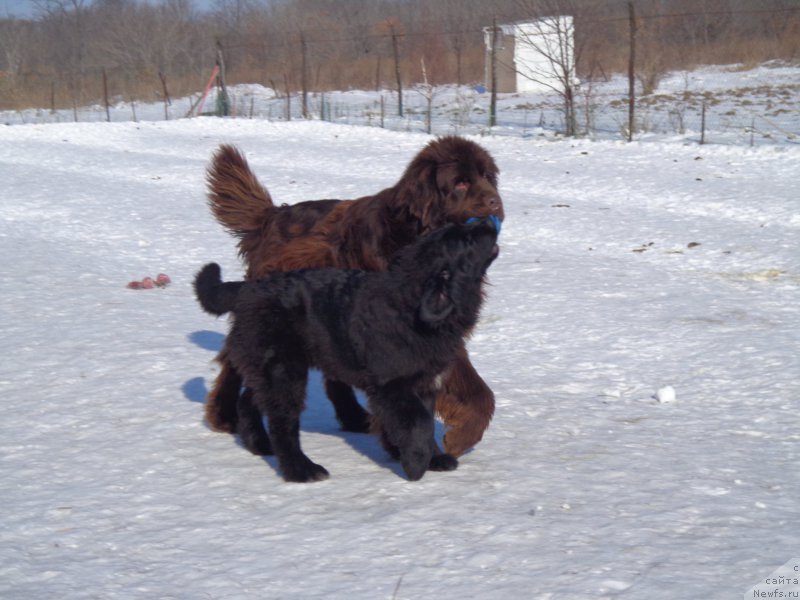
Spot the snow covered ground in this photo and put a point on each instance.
(624, 269)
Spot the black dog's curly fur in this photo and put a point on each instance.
(390, 333)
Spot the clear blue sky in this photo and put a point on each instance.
(16, 8)
(27, 8)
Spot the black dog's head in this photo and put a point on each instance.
(450, 263)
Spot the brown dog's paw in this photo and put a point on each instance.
(458, 441)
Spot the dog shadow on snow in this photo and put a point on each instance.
(318, 417)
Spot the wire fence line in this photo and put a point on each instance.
(744, 116)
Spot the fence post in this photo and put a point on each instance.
(493, 75)
(105, 95)
(396, 53)
(304, 74)
(223, 105)
(167, 101)
(288, 98)
(703, 124)
(631, 71)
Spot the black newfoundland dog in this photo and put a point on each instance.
(393, 334)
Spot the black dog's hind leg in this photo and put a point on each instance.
(280, 394)
(250, 425)
(406, 417)
(350, 414)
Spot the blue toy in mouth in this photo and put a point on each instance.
(493, 218)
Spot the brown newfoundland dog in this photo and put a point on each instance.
(450, 180)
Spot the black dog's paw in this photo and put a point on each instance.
(304, 471)
(415, 463)
(443, 462)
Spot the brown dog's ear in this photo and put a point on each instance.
(436, 303)
(417, 193)
(424, 198)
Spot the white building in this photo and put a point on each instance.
(535, 56)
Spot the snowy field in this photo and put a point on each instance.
(624, 269)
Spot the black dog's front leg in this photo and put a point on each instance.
(295, 465)
(406, 417)
(279, 392)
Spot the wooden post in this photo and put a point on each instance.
(167, 101)
(396, 53)
(52, 97)
(703, 124)
(223, 106)
(133, 109)
(428, 95)
(383, 111)
(631, 71)
(105, 95)
(493, 75)
(304, 73)
(288, 98)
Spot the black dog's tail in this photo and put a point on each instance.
(215, 296)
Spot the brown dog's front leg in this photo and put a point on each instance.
(466, 405)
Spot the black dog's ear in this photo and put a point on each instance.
(436, 303)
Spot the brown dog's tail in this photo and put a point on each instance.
(235, 196)
(215, 296)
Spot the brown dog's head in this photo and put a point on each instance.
(451, 180)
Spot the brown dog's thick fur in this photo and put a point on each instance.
(449, 181)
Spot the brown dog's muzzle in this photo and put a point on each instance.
(488, 201)
(475, 200)
(495, 207)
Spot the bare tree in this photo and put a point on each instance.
(349, 42)
(65, 22)
(553, 39)
(13, 41)
(428, 91)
